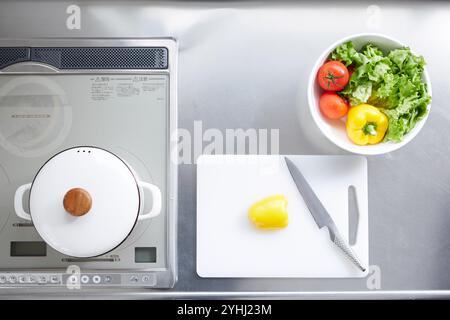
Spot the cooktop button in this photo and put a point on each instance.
(32, 279)
(2, 279)
(145, 279)
(54, 279)
(22, 279)
(43, 279)
(108, 279)
(134, 279)
(84, 279)
(12, 279)
(73, 279)
(96, 279)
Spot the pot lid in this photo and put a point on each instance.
(84, 201)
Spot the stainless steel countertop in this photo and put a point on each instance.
(246, 65)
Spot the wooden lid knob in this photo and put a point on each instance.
(77, 202)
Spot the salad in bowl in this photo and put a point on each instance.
(369, 94)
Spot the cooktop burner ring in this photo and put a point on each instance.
(35, 116)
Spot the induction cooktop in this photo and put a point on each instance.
(119, 95)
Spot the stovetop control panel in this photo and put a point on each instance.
(77, 281)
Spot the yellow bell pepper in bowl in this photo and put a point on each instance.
(366, 124)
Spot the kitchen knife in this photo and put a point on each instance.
(320, 214)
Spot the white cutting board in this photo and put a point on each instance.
(228, 245)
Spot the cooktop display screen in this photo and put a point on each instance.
(28, 249)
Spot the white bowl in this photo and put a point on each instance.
(334, 130)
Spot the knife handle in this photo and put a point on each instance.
(340, 242)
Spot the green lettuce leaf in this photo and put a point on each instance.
(347, 54)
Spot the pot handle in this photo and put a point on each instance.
(156, 195)
(18, 202)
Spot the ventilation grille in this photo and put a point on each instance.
(10, 56)
(102, 58)
(89, 58)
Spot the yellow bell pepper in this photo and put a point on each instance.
(366, 124)
(270, 212)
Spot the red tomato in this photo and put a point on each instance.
(332, 105)
(333, 76)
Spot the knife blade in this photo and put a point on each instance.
(320, 214)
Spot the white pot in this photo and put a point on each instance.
(85, 201)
